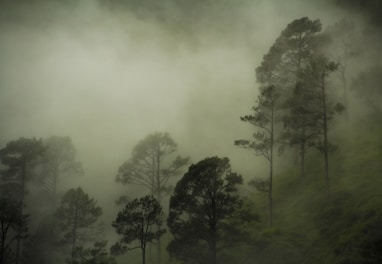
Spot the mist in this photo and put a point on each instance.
(108, 73)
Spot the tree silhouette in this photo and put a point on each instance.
(203, 200)
(18, 156)
(150, 166)
(76, 215)
(263, 118)
(134, 223)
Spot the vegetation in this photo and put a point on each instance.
(202, 202)
(75, 217)
(135, 222)
(322, 181)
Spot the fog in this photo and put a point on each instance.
(107, 74)
(107, 77)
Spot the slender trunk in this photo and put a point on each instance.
(214, 253)
(3, 238)
(270, 193)
(213, 230)
(50, 251)
(344, 83)
(325, 130)
(143, 239)
(159, 196)
(22, 194)
(144, 255)
(54, 189)
(302, 151)
(74, 238)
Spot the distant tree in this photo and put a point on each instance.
(57, 163)
(263, 118)
(59, 160)
(13, 226)
(203, 201)
(316, 75)
(301, 125)
(367, 86)
(77, 214)
(342, 48)
(18, 156)
(150, 166)
(135, 222)
(282, 67)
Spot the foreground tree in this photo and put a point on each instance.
(203, 200)
(151, 166)
(263, 118)
(76, 215)
(18, 157)
(135, 223)
(13, 225)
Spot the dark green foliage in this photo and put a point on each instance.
(296, 43)
(203, 202)
(13, 226)
(135, 223)
(18, 156)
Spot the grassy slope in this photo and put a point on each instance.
(311, 226)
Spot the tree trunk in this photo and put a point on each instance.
(22, 194)
(270, 193)
(344, 83)
(74, 238)
(2, 253)
(325, 130)
(214, 253)
(144, 255)
(302, 156)
(159, 196)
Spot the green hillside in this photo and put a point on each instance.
(312, 227)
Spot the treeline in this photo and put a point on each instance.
(314, 85)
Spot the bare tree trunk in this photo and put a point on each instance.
(74, 238)
(344, 83)
(325, 130)
(159, 196)
(302, 162)
(2, 253)
(18, 241)
(270, 193)
(144, 255)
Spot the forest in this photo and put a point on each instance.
(190, 132)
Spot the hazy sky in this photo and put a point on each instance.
(108, 76)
